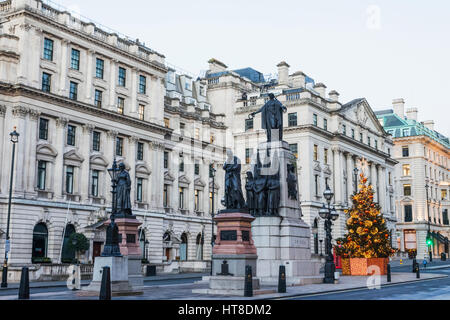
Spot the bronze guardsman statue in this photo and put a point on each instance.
(273, 191)
(249, 187)
(234, 198)
(272, 117)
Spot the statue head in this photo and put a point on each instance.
(249, 175)
(271, 96)
(122, 166)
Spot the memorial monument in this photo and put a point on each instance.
(280, 235)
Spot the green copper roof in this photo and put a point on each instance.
(398, 127)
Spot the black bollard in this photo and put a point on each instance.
(24, 289)
(414, 265)
(282, 280)
(105, 290)
(248, 286)
(389, 272)
(418, 272)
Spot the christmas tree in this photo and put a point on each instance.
(367, 235)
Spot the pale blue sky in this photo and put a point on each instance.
(376, 49)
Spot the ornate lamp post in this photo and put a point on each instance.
(14, 139)
(213, 176)
(328, 214)
(429, 228)
(111, 248)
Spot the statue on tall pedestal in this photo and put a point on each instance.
(123, 192)
(272, 117)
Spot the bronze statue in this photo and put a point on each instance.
(249, 187)
(273, 198)
(292, 181)
(272, 117)
(259, 188)
(123, 192)
(234, 198)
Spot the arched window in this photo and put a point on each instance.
(143, 243)
(67, 255)
(199, 242)
(40, 241)
(316, 236)
(183, 247)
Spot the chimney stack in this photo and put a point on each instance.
(333, 95)
(399, 107)
(298, 79)
(216, 66)
(429, 124)
(411, 114)
(320, 88)
(283, 73)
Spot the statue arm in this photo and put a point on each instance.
(252, 115)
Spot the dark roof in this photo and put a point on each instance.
(351, 103)
(251, 74)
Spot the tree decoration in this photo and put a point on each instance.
(367, 235)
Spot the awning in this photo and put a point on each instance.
(439, 237)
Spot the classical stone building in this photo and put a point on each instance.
(327, 136)
(421, 178)
(79, 96)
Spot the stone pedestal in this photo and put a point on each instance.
(233, 250)
(284, 239)
(126, 273)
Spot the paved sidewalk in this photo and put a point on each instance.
(56, 284)
(184, 291)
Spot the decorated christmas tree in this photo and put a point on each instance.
(367, 235)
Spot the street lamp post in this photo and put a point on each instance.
(111, 248)
(328, 214)
(429, 227)
(14, 139)
(213, 175)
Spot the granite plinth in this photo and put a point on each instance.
(227, 285)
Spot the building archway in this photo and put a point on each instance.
(67, 254)
(40, 241)
(199, 242)
(143, 243)
(184, 247)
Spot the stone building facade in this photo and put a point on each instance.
(421, 178)
(80, 96)
(327, 136)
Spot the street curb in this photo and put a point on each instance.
(350, 289)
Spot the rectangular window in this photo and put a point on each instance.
(43, 129)
(46, 82)
(248, 124)
(292, 119)
(368, 141)
(248, 155)
(325, 156)
(139, 187)
(99, 68)
(211, 170)
(120, 105)
(71, 131)
(406, 189)
(197, 133)
(69, 179)
(406, 170)
(325, 124)
(408, 213)
(73, 94)
(94, 185)
(142, 85)
(197, 168)
(166, 196)
(75, 60)
(316, 154)
(181, 198)
(315, 119)
(405, 151)
(294, 149)
(96, 141)
(353, 133)
(119, 146)
(361, 137)
(48, 49)
(42, 173)
(98, 98)
(181, 166)
(167, 122)
(316, 184)
(141, 112)
(444, 194)
(376, 144)
(212, 138)
(390, 178)
(405, 132)
(140, 151)
(122, 77)
(166, 160)
(344, 129)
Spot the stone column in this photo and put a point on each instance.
(23, 69)
(3, 139)
(85, 150)
(35, 59)
(109, 154)
(30, 161)
(349, 178)
(157, 177)
(337, 174)
(89, 76)
(60, 134)
(63, 71)
(19, 120)
(112, 85)
(133, 111)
